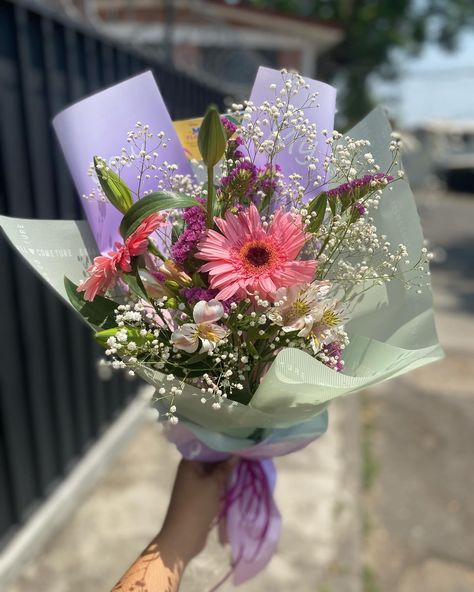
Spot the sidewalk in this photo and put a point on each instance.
(317, 492)
(419, 438)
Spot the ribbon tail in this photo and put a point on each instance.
(253, 535)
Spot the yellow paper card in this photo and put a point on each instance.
(188, 130)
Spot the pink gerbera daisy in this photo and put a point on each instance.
(246, 258)
(106, 269)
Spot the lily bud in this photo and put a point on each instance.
(115, 190)
(212, 138)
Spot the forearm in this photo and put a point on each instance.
(193, 508)
(158, 569)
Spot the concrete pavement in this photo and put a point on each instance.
(316, 491)
(419, 508)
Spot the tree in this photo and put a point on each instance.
(373, 31)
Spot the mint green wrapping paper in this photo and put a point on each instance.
(391, 331)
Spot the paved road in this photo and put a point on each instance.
(419, 510)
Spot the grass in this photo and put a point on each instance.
(369, 580)
(369, 461)
(369, 472)
(367, 524)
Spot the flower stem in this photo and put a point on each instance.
(210, 197)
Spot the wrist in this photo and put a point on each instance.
(175, 543)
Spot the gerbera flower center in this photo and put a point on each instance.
(258, 255)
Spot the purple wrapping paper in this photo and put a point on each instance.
(98, 125)
(292, 159)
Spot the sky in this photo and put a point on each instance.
(437, 84)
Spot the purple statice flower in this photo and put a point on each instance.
(359, 208)
(244, 173)
(267, 178)
(334, 351)
(196, 294)
(195, 219)
(362, 183)
(159, 276)
(233, 151)
(240, 182)
(229, 126)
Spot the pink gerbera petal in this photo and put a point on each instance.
(106, 269)
(137, 242)
(245, 258)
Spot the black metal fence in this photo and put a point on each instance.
(52, 404)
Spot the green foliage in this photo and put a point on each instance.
(372, 32)
(99, 313)
(317, 205)
(154, 202)
(135, 284)
(133, 334)
(116, 191)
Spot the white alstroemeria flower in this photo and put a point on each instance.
(297, 308)
(333, 317)
(204, 329)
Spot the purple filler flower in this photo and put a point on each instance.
(268, 176)
(229, 126)
(361, 184)
(195, 219)
(243, 174)
(196, 294)
(334, 352)
(359, 208)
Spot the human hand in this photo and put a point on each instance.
(195, 504)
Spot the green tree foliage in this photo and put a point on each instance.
(373, 31)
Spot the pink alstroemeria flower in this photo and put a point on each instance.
(106, 269)
(204, 329)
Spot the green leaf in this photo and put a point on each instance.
(115, 190)
(346, 199)
(154, 202)
(212, 138)
(132, 332)
(197, 358)
(251, 348)
(135, 284)
(177, 229)
(319, 207)
(100, 312)
(153, 249)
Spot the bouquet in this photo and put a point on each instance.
(278, 265)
